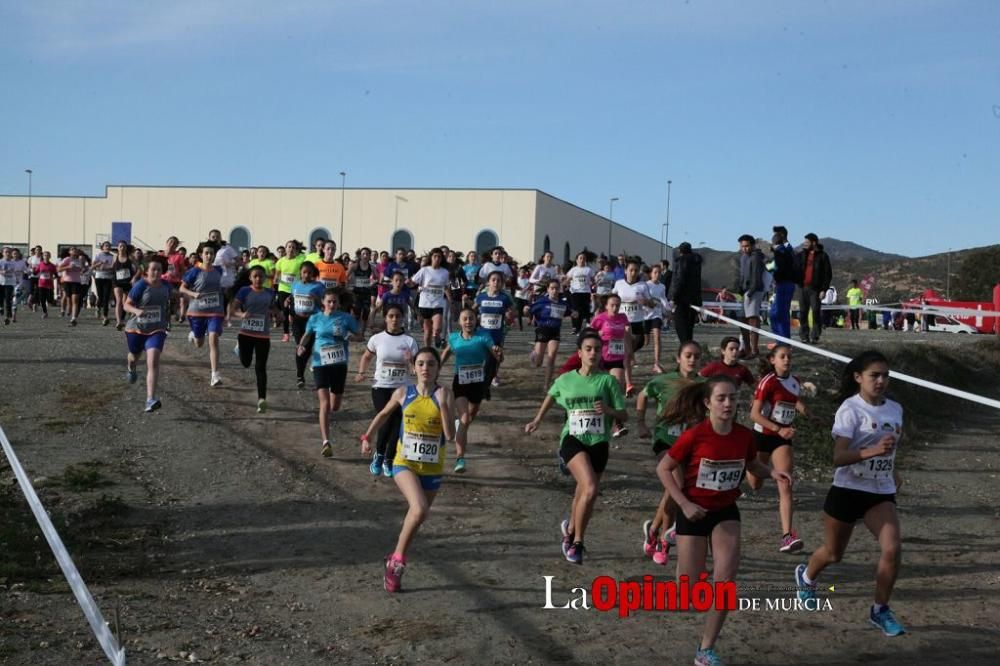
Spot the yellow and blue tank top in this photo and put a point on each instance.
(421, 446)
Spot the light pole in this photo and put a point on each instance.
(395, 224)
(29, 172)
(666, 225)
(343, 182)
(611, 221)
(947, 288)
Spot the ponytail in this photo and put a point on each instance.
(688, 406)
(848, 385)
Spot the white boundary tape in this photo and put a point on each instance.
(965, 395)
(97, 623)
(915, 309)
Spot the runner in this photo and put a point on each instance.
(547, 312)
(866, 431)
(612, 327)
(432, 281)
(581, 280)
(522, 295)
(123, 273)
(21, 283)
(316, 255)
(472, 349)
(393, 351)
(775, 402)
(361, 278)
(398, 294)
(306, 299)
(228, 259)
(495, 313)
(656, 313)
(328, 333)
(103, 279)
(203, 287)
(33, 260)
(264, 260)
(544, 273)
(71, 274)
(146, 330)
(498, 262)
(332, 273)
(46, 271)
(729, 364)
(635, 298)
(471, 270)
(286, 270)
(714, 455)
(7, 284)
(854, 296)
(253, 307)
(592, 399)
(176, 266)
(660, 532)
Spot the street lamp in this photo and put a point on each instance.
(947, 288)
(666, 225)
(29, 172)
(395, 224)
(611, 221)
(343, 182)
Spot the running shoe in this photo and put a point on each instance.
(45, 315)
(378, 460)
(105, 322)
(6, 322)
(532, 356)
(327, 450)
(790, 543)
(574, 553)
(153, 404)
(261, 406)
(619, 431)
(495, 383)
(662, 554)
(567, 537)
(805, 592)
(119, 326)
(648, 539)
(191, 338)
(387, 469)
(300, 383)
(285, 337)
(460, 466)
(886, 621)
(629, 391)
(216, 379)
(394, 568)
(707, 657)
(562, 466)
(657, 369)
(72, 322)
(236, 349)
(671, 535)
(132, 376)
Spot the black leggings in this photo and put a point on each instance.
(261, 348)
(388, 434)
(43, 296)
(581, 310)
(103, 295)
(299, 330)
(286, 311)
(520, 304)
(8, 300)
(855, 319)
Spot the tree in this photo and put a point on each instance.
(980, 270)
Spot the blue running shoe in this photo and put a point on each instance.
(376, 467)
(707, 657)
(885, 621)
(460, 466)
(132, 376)
(387, 469)
(562, 466)
(805, 592)
(153, 404)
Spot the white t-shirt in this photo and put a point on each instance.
(393, 356)
(831, 296)
(658, 293)
(580, 279)
(865, 425)
(523, 290)
(631, 295)
(542, 272)
(226, 258)
(105, 272)
(433, 283)
(7, 272)
(490, 267)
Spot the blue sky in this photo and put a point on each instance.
(871, 121)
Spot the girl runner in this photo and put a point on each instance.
(471, 270)
(866, 432)
(714, 455)
(71, 273)
(264, 260)
(21, 283)
(472, 349)
(591, 399)
(655, 313)
(332, 273)
(393, 351)
(361, 277)
(426, 423)
(146, 330)
(495, 314)
(328, 333)
(548, 312)
(729, 365)
(604, 282)
(612, 328)
(635, 299)
(46, 271)
(522, 295)
(432, 281)
(775, 403)
(253, 306)
(7, 284)
(123, 273)
(543, 274)
(660, 532)
(104, 279)
(286, 269)
(306, 299)
(206, 310)
(581, 279)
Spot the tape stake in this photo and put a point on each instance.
(917, 381)
(102, 632)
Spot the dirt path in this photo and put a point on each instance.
(223, 534)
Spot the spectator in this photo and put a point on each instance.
(750, 283)
(685, 291)
(829, 299)
(812, 268)
(854, 296)
(783, 268)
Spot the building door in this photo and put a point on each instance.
(401, 239)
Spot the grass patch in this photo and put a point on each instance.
(84, 477)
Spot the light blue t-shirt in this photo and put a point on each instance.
(330, 341)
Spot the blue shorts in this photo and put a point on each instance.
(201, 325)
(137, 342)
(426, 482)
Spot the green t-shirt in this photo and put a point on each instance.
(289, 272)
(854, 295)
(314, 257)
(660, 390)
(576, 394)
(268, 266)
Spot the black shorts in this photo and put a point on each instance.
(768, 443)
(547, 334)
(598, 453)
(362, 306)
(637, 328)
(659, 446)
(75, 288)
(474, 392)
(651, 324)
(125, 286)
(332, 377)
(427, 313)
(611, 365)
(704, 527)
(849, 505)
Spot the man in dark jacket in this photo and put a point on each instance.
(812, 267)
(685, 291)
(750, 283)
(784, 282)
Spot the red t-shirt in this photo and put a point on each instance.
(738, 372)
(176, 267)
(714, 464)
(778, 396)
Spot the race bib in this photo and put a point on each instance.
(470, 374)
(585, 422)
(879, 467)
(304, 305)
(209, 301)
(8, 274)
(523, 294)
(630, 309)
(392, 373)
(616, 347)
(150, 316)
(331, 284)
(676, 430)
(171, 269)
(490, 321)
(287, 278)
(719, 475)
(332, 355)
(45, 276)
(434, 291)
(579, 283)
(420, 447)
(123, 274)
(361, 283)
(557, 311)
(783, 413)
(253, 324)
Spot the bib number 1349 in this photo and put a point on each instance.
(719, 475)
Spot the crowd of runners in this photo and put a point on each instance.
(413, 314)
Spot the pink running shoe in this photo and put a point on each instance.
(662, 554)
(648, 539)
(790, 543)
(394, 568)
(671, 535)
